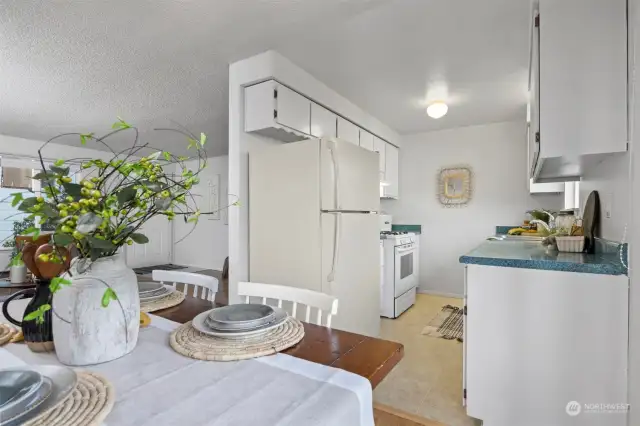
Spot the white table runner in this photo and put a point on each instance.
(156, 386)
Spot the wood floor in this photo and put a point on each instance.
(389, 416)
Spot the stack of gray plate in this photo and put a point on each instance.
(150, 291)
(27, 391)
(240, 320)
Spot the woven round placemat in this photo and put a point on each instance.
(175, 298)
(87, 405)
(188, 341)
(7, 332)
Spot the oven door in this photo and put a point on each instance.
(405, 268)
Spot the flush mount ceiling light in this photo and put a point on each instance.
(437, 110)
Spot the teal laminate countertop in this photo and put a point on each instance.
(532, 255)
(416, 229)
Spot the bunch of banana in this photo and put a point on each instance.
(517, 231)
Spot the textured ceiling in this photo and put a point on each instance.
(394, 59)
(75, 65)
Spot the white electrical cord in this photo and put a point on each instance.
(620, 249)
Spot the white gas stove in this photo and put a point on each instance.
(400, 259)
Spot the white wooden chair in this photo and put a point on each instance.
(311, 299)
(205, 285)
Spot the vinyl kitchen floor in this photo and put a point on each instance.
(428, 381)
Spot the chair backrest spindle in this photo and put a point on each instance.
(203, 285)
(311, 299)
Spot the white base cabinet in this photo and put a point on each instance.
(536, 340)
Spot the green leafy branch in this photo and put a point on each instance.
(102, 213)
(38, 314)
(106, 209)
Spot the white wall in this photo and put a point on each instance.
(258, 68)
(611, 179)
(634, 215)
(208, 245)
(497, 156)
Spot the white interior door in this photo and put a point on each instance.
(351, 270)
(158, 250)
(349, 177)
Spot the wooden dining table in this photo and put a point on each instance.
(366, 356)
(369, 357)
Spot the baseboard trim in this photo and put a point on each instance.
(411, 420)
(438, 293)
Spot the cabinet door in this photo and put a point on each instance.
(348, 131)
(259, 106)
(534, 97)
(524, 371)
(391, 171)
(464, 341)
(366, 140)
(583, 77)
(323, 122)
(293, 110)
(379, 147)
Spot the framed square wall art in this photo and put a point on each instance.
(455, 186)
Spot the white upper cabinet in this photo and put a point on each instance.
(276, 111)
(323, 122)
(272, 109)
(379, 147)
(348, 131)
(293, 110)
(366, 140)
(533, 109)
(538, 188)
(582, 84)
(390, 190)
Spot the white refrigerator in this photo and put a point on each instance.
(313, 224)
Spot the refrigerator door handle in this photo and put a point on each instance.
(336, 173)
(336, 246)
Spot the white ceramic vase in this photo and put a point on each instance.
(86, 333)
(18, 274)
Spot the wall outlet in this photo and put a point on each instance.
(608, 205)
